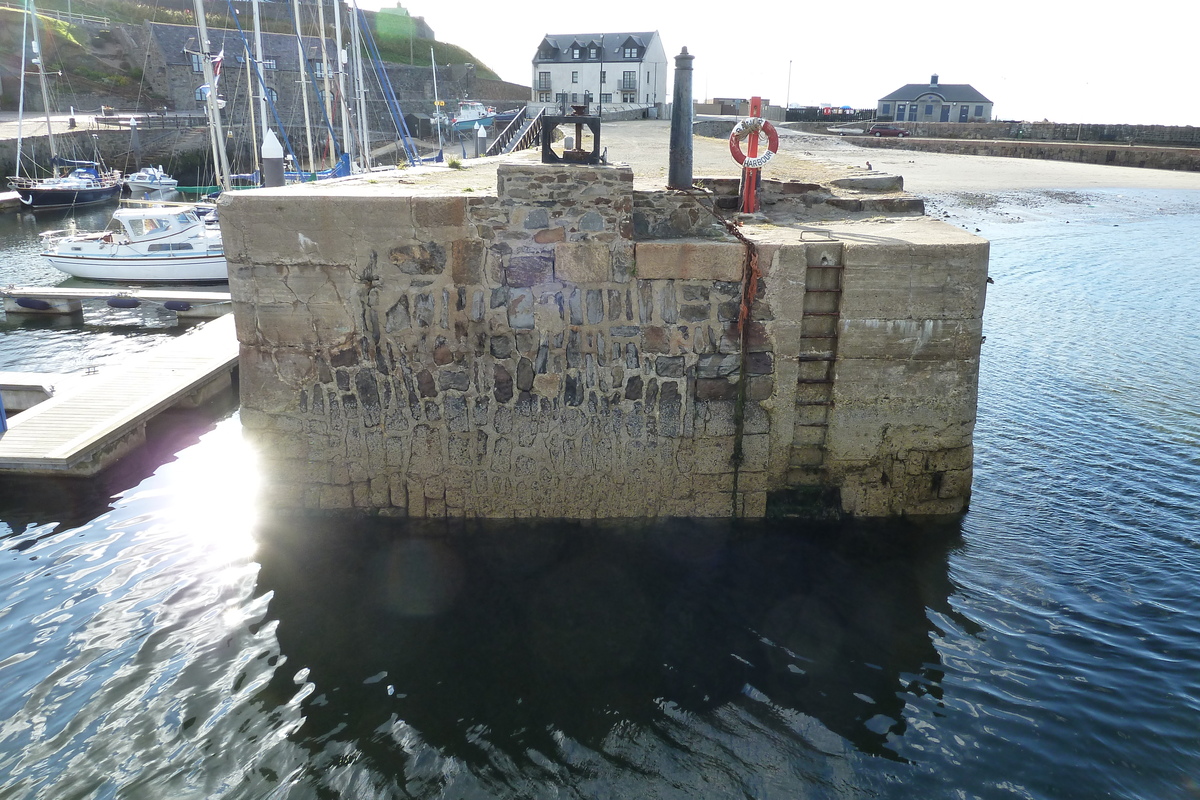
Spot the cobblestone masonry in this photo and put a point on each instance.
(530, 354)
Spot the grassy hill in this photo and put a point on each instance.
(87, 58)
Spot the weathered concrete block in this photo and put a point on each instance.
(901, 339)
(879, 182)
(935, 271)
(690, 259)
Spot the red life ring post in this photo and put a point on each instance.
(751, 161)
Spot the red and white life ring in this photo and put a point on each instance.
(752, 127)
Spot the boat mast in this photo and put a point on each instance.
(21, 96)
(342, 63)
(250, 105)
(328, 101)
(437, 104)
(37, 51)
(304, 89)
(258, 55)
(220, 157)
(364, 124)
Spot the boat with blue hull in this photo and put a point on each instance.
(470, 114)
(69, 182)
(84, 185)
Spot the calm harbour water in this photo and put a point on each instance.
(161, 638)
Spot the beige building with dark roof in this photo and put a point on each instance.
(934, 102)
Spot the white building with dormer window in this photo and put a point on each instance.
(600, 69)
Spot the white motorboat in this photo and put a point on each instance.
(149, 179)
(153, 244)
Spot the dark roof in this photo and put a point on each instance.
(175, 40)
(557, 48)
(950, 92)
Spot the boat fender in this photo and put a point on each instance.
(33, 303)
(123, 302)
(177, 305)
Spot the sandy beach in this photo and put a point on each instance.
(943, 179)
(818, 158)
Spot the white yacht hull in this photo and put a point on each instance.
(150, 186)
(144, 269)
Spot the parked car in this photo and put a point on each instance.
(886, 130)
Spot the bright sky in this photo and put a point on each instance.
(1034, 59)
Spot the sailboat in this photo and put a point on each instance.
(72, 182)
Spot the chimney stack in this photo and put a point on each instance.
(933, 79)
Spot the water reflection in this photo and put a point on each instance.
(498, 644)
(63, 503)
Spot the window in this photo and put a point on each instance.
(885, 109)
(544, 81)
(197, 63)
(929, 109)
(272, 95)
(576, 53)
(899, 112)
(605, 98)
(628, 97)
(574, 97)
(979, 111)
(543, 97)
(603, 76)
(574, 77)
(647, 77)
(268, 63)
(630, 52)
(591, 52)
(318, 69)
(200, 94)
(629, 81)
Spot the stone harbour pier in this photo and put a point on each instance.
(569, 347)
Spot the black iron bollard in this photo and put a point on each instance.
(679, 175)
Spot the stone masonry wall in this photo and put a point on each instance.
(527, 355)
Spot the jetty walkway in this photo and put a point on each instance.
(99, 418)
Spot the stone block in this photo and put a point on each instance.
(530, 268)
(710, 456)
(337, 497)
(690, 259)
(439, 212)
(466, 261)
(416, 258)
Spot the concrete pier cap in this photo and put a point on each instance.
(569, 347)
